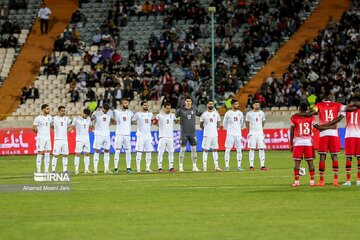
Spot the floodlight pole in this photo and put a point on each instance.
(212, 10)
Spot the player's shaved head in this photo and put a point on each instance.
(303, 107)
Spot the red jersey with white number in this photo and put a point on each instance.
(328, 111)
(303, 129)
(353, 124)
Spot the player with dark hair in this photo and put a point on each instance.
(352, 138)
(82, 125)
(41, 127)
(144, 120)
(61, 145)
(301, 144)
(123, 118)
(255, 121)
(233, 123)
(187, 115)
(102, 119)
(165, 120)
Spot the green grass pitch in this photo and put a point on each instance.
(204, 205)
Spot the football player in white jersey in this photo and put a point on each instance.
(123, 118)
(165, 121)
(61, 145)
(255, 121)
(82, 125)
(41, 127)
(144, 120)
(233, 123)
(102, 119)
(210, 122)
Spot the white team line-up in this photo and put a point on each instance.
(100, 120)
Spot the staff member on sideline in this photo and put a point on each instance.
(43, 15)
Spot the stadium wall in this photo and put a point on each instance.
(22, 141)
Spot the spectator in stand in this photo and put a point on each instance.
(4, 11)
(59, 44)
(74, 96)
(128, 93)
(96, 39)
(24, 95)
(44, 14)
(90, 95)
(77, 17)
(12, 41)
(33, 93)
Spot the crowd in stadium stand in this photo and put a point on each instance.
(328, 64)
(150, 72)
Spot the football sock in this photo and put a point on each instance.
(336, 169)
(227, 157)
(76, 162)
(358, 168)
(205, 156)
(262, 157)
(216, 159)
(53, 163)
(148, 160)
(116, 158)
(128, 158)
(182, 155)
(193, 155)
(312, 175)
(86, 162)
(47, 161)
(171, 160)
(106, 160)
(160, 159)
(321, 170)
(251, 157)
(239, 157)
(65, 163)
(96, 160)
(38, 162)
(348, 170)
(138, 160)
(296, 174)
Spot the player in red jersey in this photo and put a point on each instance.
(352, 138)
(301, 144)
(330, 113)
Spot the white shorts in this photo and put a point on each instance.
(43, 145)
(144, 144)
(256, 142)
(61, 147)
(166, 144)
(123, 142)
(101, 142)
(210, 142)
(82, 147)
(232, 141)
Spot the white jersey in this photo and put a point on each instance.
(61, 127)
(210, 120)
(166, 124)
(255, 120)
(233, 122)
(82, 128)
(43, 125)
(143, 121)
(102, 122)
(123, 122)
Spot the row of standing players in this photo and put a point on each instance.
(330, 113)
(100, 120)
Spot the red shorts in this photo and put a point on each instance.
(329, 144)
(303, 153)
(352, 147)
